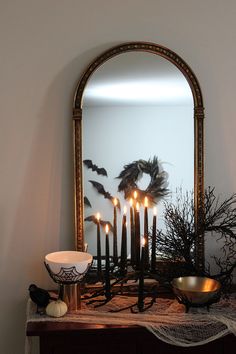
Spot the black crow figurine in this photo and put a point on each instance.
(39, 296)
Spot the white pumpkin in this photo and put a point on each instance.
(56, 308)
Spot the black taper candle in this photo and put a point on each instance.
(115, 253)
(154, 226)
(132, 233)
(141, 279)
(137, 235)
(123, 257)
(107, 266)
(99, 262)
(146, 255)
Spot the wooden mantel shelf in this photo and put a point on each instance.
(69, 336)
(41, 328)
(76, 338)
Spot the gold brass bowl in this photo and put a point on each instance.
(196, 291)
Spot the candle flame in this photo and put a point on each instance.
(135, 195)
(143, 241)
(107, 229)
(137, 206)
(146, 202)
(155, 211)
(125, 209)
(131, 202)
(98, 216)
(115, 202)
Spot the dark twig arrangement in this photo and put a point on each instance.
(178, 240)
(132, 172)
(220, 221)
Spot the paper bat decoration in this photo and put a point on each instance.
(87, 202)
(99, 170)
(100, 189)
(102, 222)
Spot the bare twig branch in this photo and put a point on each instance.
(178, 240)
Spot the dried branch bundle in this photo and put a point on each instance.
(177, 241)
(220, 221)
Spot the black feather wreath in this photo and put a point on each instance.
(132, 172)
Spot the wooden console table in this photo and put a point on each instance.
(76, 338)
(100, 332)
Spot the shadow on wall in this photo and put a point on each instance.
(45, 210)
(43, 221)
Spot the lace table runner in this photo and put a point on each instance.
(166, 319)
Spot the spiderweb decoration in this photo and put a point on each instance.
(67, 275)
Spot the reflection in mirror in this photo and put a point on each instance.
(136, 105)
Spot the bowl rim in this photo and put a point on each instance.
(87, 259)
(196, 290)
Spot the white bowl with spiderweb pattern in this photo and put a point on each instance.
(67, 260)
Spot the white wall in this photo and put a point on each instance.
(45, 46)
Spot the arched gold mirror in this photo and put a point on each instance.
(137, 101)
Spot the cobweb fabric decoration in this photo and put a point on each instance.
(166, 319)
(190, 334)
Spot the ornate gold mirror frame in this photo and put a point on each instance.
(198, 136)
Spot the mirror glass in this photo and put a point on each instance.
(136, 105)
